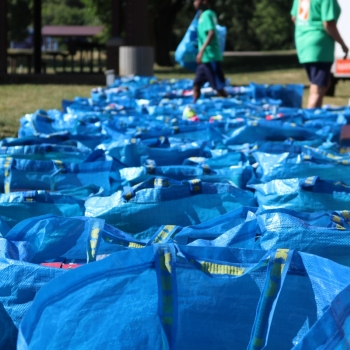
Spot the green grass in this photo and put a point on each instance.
(18, 100)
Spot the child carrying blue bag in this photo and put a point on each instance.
(202, 50)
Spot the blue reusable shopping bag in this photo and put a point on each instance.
(24, 175)
(214, 228)
(283, 230)
(245, 293)
(273, 131)
(18, 206)
(66, 153)
(323, 218)
(290, 95)
(136, 153)
(225, 160)
(19, 284)
(51, 237)
(309, 195)
(240, 236)
(187, 50)
(141, 209)
(238, 175)
(331, 331)
(80, 240)
(288, 165)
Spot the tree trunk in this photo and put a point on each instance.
(3, 37)
(163, 30)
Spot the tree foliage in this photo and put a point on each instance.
(272, 25)
(19, 19)
(252, 24)
(67, 12)
(54, 12)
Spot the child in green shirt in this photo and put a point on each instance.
(209, 57)
(315, 36)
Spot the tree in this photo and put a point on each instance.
(67, 12)
(162, 16)
(19, 19)
(237, 16)
(272, 25)
(54, 12)
(164, 13)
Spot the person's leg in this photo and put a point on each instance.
(216, 77)
(316, 96)
(196, 92)
(319, 74)
(199, 81)
(222, 93)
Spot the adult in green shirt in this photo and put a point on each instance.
(315, 35)
(209, 57)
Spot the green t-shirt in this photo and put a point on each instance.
(208, 21)
(313, 43)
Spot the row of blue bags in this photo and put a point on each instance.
(185, 222)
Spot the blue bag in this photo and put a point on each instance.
(20, 282)
(24, 175)
(50, 237)
(187, 50)
(241, 236)
(218, 162)
(283, 230)
(214, 228)
(80, 240)
(136, 153)
(273, 131)
(290, 95)
(237, 175)
(331, 330)
(322, 218)
(47, 152)
(287, 166)
(249, 291)
(18, 206)
(309, 195)
(141, 209)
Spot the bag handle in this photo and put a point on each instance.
(309, 183)
(94, 239)
(164, 234)
(58, 168)
(153, 182)
(150, 166)
(165, 264)
(195, 185)
(276, 273)
(277, 262)
(323, 186)
(7, 168)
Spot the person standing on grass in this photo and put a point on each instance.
(315, 35)
(209, 57)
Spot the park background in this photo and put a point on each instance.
(253, 26)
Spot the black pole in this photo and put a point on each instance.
(115, 41)
(37, 36)
(116, 18)
(3, 36)
(136, 26)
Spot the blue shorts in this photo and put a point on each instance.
(319, 73)
(212, 73)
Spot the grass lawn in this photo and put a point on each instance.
(18, 100)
